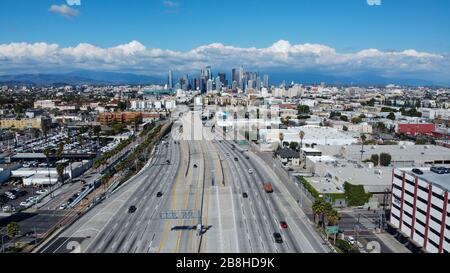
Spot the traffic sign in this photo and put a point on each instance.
(332, 230)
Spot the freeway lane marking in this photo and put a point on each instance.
(173, 205)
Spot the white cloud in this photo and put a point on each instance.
(64, 10)
(282, 55)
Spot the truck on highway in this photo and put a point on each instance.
(268, 187)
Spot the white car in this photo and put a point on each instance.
(63, 207)
(351, 240)
(250, 171)
(25, 204)
(42, 192)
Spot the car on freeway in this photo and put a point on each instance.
(250, 171)
(417, 171)
(283, 224)
(278, 238)
(132, 209)
(195, 165)
(168, 161)
(159, 194)
(245, 195)
(247, 157)
(236, 159)
(268, 187)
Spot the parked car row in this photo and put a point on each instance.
(440, 170)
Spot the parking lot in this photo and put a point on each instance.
(14, 198)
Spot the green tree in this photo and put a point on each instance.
(391, 116)
(333, 217)
(60, 149)
(60, 170)
(303, 109)
(13, 229)
(363, 141)
(302, 136)
(375, 159)
(385, 159)
(293, 145)
(318, 208)
(344, 118)
(344, 128)
(421, 141)
(356, 120)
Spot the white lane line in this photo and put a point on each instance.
(234, 219)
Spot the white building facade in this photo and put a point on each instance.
(420, 209)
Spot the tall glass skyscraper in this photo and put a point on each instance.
(170, 79)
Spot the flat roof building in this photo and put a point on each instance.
(402, 155)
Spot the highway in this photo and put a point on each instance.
(203, 177)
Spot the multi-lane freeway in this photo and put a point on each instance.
(194, 171)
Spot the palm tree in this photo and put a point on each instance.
(363, 140)
(13, 229)
(318, 208)
(302, 136)
(60, 150)
(60, 170)
(333, 217)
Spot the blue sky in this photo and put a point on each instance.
(187, 26)
(347, 25)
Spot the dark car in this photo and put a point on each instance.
(236, 159)
(283, 224)
(195, 165)
(247, 157)
(132, 209)
(159, 194)
(245, 195)
(168, 161)
(417, 171)
(438, 170)
(278, 238)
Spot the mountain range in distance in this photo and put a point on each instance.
(115, 78)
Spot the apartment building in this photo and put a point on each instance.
(120, 117)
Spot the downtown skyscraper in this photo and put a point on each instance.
(170, 79)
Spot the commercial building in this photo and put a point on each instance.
(26, 123)
(420, 210)
(314, 135)
(402, 155)
(415, 129)
(120, 117)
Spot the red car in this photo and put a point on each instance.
(284, 224)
